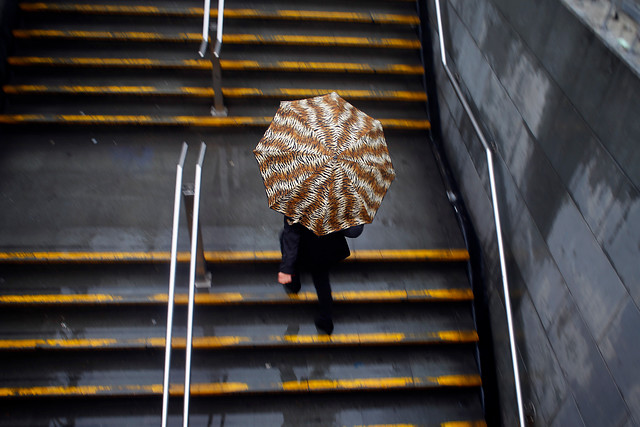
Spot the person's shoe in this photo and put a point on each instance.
(294, 286)
(325, 324)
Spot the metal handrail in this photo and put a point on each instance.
(496, 212)
(192, 283)
(218, 108)
(172, 284)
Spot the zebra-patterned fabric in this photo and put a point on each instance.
(324, 163)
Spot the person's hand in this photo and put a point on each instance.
(284, 278)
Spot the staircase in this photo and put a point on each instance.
(102, 94)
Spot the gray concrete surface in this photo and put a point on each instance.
(112, 189)
(562, 109)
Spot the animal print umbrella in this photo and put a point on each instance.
(325, 164)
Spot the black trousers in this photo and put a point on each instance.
(323, 290)
(320, 276)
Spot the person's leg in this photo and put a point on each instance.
(324, 320)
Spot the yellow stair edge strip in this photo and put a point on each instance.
(78, 119)
(206, 92)
(374, 338)
(391, 255)
(236, 298)
(197, 121)
(464, 424)
(214, 389)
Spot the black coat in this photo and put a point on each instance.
(301, 247)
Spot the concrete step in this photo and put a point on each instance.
(226, 342)
(234, 371)
(47, 35)
(232, 26)
(205, 64)
(246, 323)
(125, 283)
(397, 115)
(202, 78)
(192, 121)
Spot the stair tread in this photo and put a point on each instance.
(134, 322)
(271, 39)
(136, 281)
(419, 295)
(268, 369)
(229, 92)
(226, 64)
(217, 389)
(199, 121)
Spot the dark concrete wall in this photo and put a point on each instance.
(564, 113)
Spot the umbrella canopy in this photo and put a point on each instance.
(325, 164)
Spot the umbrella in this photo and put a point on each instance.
(325, 164)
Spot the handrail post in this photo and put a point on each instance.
(203, 277)
(218, 108)
(496, 214)
(192, 279)
(172, 283)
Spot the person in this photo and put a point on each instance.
(303, 249)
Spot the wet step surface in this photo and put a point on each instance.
(75, 306)
(376, 347)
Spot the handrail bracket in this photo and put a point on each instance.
(218, 109)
